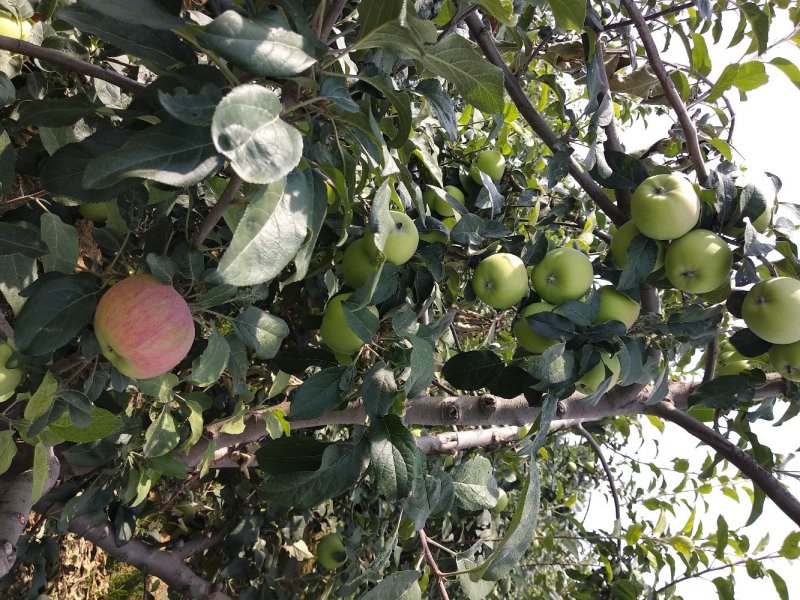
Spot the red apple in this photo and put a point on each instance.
(144, 327)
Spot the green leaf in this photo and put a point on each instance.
(8, 156)
(341, 467)
(172, 153)
(722, 538)
(790, 548)
(780, 585)
(788, 68)
(54, 113)
(402, 585)
(473, 590)
(269, 234)
(248, 130)
(291, 455)
(474, 484)
(163, 48)
(758, 505)
(520, 531)
(431, 496)
(58, 309)
(21, 238)
(208, 367)
(393, 456)
(725, 392)
(42, 399)
(724, 588)
(472, 370)
(260, 331)
(373, 14)
(442, 103)
(318, 394)
(220, 294)
(701, 61)
(503, 10)
(264, 45)
(569, 14)
(8, 449)
(759, 23)
(162, 435)
(421, 366)
(40, 471)
(160, 387)
(682, 544)
(751, 75)
(101, 424)
(401, 102)
(62, 241)
(459, 62)
(379, 390)
(192, 109)
(136, 12)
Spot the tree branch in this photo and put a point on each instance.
(486, 42)
(654, 58)
(165, 565)
(437, 573)
(609, 475)
(73, 64)
(332, 15)
(216, 212)
(675, 582)
(770, 484)
(16, 502)
(650, 17)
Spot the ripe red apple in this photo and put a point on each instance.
(144, 327)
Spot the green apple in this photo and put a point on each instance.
(9, 26)
(490, 162)
(9, 377)
(622, 240)
(450, 222)
(502, 502)
(563, 274)
(771, 309)
(331, 553)
(357, 265)
(500, 280)
(699, 262)
(94, 211)
(665, 207)
(732, 363)
(401, 242)
(525, 335)
(335, 332)
(592, 379)
(785, 359)
(616, 306)
(442, 207)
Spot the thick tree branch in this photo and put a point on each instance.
(654, 58)
(16, 502)
(73, 64)
(770, 485)
(332, 14)
(486, 42)
(165, 565)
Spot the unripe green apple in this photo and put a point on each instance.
(502, 502)
(622, 240)
(490, 162)
(563, 274)
(335, 332)
(732, 363)
(771, 309)
(94, 211)
(616, 306)
(450, 222)
(528, 338)
(442, 207)
(9, 26)
(500, 280)
(592, 379)
(331, 553)
(699, 262)
(665, 207)
(357, 265)
(402, 241)
(785, 359)
(144, 327)
(9, 377)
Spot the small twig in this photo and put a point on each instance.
(523, 68)
(675, 582)
(654, 58)
(540, 127)
(767, 263)
(73, 64)
(458, 18)
(432, 563)
(331, 16)
(650, 17)
(216, 212)
(614, 494)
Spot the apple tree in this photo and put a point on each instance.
(364, 298)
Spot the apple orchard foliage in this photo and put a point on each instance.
(246, 151)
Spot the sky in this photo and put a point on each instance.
(766, 138)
